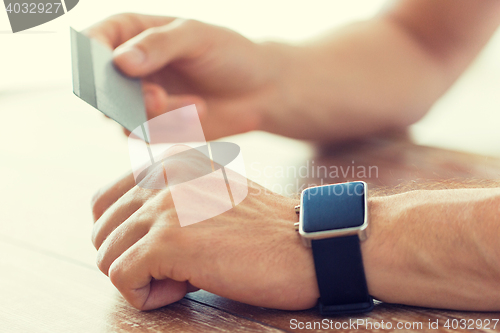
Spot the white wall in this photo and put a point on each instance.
(30, 57)
(467, 118)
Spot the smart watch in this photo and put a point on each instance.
(333, 221)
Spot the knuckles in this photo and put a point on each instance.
(189, 23)
(153, 33)
(113, 22)
(117, 274)
(122, 18)
(101, 263)
(97, 205)
(163, 33)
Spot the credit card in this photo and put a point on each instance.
(99, 83)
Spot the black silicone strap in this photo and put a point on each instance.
(341, 276)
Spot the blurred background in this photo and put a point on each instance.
(56, 151)
(467, 118)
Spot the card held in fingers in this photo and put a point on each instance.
(99, 83)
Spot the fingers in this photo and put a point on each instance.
(107, 196)
(114, 216)
(117, 203)
(121, 238)
(132, 274)
(178, 101)
(154, 48)
(164, 292)
(158, 102)
(147, 43)
(117, 29)
(126, 131)
(191, 288)
(155, 99)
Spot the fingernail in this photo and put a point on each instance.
(131, 55)
(149, 101)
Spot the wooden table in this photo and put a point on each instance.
(55, 152)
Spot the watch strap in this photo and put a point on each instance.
(341, 276)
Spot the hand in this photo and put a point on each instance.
(426, 248)
(250, 253)
(232, 80)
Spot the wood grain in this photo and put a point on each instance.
(40, 293)
(392, 313)
(53, 163)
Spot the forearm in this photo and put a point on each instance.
(436, 249)
(364, 78)
(378, 74)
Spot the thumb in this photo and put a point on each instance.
(156, 47)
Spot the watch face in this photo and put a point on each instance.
(333, 207)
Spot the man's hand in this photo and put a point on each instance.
(425, 248)
(230, 79)
(355, 81)
(250, 253)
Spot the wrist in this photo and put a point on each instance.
(424, 249)
(380, 260)
(281, 61)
